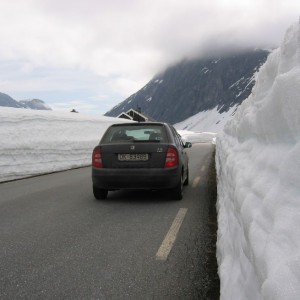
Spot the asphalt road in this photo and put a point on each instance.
(57, 242)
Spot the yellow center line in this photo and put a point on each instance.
(169, 240)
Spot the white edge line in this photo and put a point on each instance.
(169, 240)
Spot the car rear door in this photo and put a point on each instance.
(181, 149)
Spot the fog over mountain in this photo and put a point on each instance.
(35, 104)
(6, 100)
(196, 85)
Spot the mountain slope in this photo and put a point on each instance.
(37, 104)
(8, 101)
(196, 85)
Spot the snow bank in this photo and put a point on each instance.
(197, 137)
(258, 163)
(35, 142)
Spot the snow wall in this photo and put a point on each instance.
(37, 142)
(258, 166)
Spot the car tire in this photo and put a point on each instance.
(100, 194)
(177, 192)
(186, 182)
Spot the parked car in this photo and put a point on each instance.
(140, 156)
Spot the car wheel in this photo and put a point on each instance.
(186, 182)
(177, 192)
(100, 194)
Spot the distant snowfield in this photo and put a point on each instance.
(207, 121)
(204, 126)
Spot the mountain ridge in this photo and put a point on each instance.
(196, 85)
(7, 101)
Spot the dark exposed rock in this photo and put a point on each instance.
(37, 104)
(196, 85)
(8, 101)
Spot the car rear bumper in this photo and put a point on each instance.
(135, 178)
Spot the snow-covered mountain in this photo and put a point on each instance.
(37, 104)
(194, 86)
(210, 120)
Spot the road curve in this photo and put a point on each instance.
(57, 242)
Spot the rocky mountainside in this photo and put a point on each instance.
(8, 101)
(37, 104)
(193, 86)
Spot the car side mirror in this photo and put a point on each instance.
(188, 145)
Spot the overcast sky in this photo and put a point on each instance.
(92, 54)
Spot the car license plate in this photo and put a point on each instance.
(133, 157)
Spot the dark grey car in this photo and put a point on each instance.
(140, 156)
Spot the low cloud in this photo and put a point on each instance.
(127, 42)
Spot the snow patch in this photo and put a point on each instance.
(211, 121)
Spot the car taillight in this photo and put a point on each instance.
(171, 158)
(97, 158)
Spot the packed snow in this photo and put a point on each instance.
(36, 142)
(258, 163)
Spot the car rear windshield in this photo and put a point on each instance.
(135, 133)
